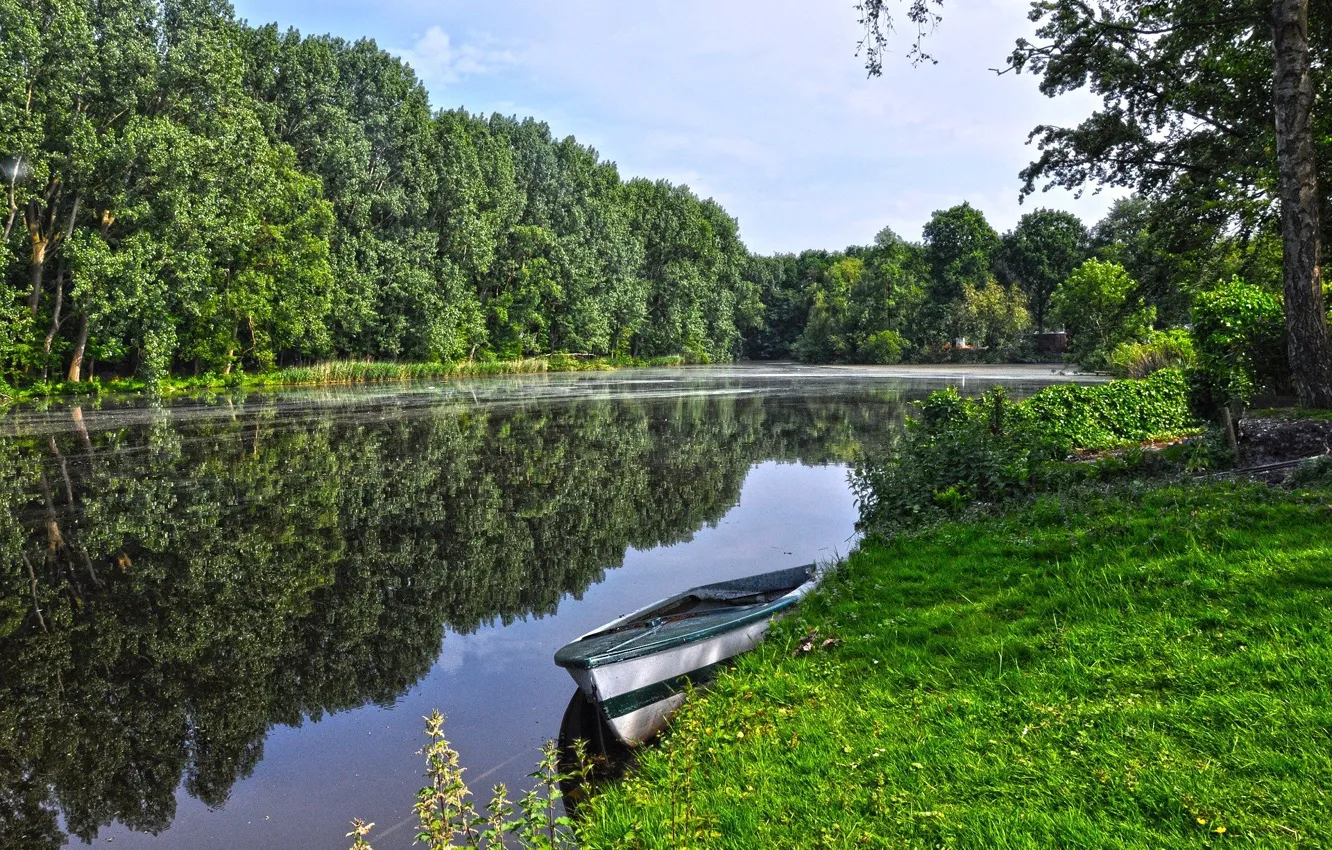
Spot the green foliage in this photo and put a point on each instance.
(207, 197)
(1316, 472)
(1098, 308)
(448, 817)
(1040, 253)
(961, 248)
(992, 316)
(958, 452)
(883, 348)
(1103, 415)
(1107, 667)
(1239, 334)
(1172, 349)
(1183, 116)
(990, 449)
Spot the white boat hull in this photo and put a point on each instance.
(637, 696)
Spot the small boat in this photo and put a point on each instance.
(636, 668)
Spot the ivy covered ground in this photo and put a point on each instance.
(1111, 667)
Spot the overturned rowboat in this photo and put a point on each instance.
(636, 668)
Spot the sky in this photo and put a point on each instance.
(760, 104)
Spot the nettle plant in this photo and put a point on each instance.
(448, 817)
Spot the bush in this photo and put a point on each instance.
(1312, 472)
(883, 348)
(1171, 349)
(1239, 334)
(961, 451)
(1105, 415)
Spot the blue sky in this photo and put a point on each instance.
(760, 104)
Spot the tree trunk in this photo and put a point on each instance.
(81, 342)
(80, 346)
(37, 259)
(55, 320)
(1308, 346)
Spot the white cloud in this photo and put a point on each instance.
(439, 62)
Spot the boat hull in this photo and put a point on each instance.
(637, 696)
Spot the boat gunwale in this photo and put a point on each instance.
(614, 656)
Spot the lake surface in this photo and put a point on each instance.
(223, 618)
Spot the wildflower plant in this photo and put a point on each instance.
(448, 817)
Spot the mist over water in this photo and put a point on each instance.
(222, 618)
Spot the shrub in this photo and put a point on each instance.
(1171, 349)
(883, 348)
(1312, 472)
(1101, 416)
(990, 449)
(1239, 334)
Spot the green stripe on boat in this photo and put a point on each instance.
(645, 696)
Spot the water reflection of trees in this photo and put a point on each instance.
(170, 591)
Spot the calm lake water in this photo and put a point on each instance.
(222, 619)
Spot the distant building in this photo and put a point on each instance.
(1055, 342)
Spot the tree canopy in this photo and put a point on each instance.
(187, 193)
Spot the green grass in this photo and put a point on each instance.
(1129, 668)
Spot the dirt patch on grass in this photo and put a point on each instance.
(1275, 439)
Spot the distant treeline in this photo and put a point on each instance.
(187, 193)
(964, 283)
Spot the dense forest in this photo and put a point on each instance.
(190, 195)
(186, 193)
(965, 291)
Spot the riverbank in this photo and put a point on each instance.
(349, 372)
(340, 372)
(1131, 666)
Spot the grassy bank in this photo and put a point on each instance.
(337, 372)
(1137, 667)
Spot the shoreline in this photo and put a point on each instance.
(338, 373)
(353, 372)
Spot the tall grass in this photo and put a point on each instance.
(360, 371)
(345, 372)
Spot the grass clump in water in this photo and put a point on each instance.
(1130, 667)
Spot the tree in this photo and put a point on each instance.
(961, 248)
(1040, 253)
(1099, 308)
(1189, 91)
(993, 316)
(1306, 318)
